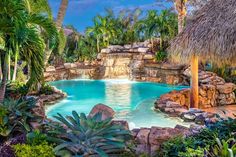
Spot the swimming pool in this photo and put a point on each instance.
(132, 101)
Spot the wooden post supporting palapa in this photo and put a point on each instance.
(194, 83)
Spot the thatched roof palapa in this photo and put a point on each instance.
(210, 34)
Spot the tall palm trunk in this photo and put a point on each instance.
(60, 17)
(180, 6)
(0, 67)
(9, 67)
(61, 13)
(4, 78)
(98, 47)
(15, 65)
(47, 55)
(180, 23)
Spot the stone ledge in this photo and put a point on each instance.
(165, 66)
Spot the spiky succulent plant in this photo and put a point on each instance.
(79, 135)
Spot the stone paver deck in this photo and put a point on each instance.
(230, 110)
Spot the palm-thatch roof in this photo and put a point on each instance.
(210, 34)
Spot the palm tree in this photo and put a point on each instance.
(29, 44)
(36, 7)
(40, 7)
(106, 28)
(96, 32)
(59, 21)
(61, 14)
(149, 25)
(166, 26)
(180, 6)
(129, 23)
(152, 25)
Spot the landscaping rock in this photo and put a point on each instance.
(226, 88)
(143, 50)
(106, 50)
(149, 140)
(142, 148)
(142, 136)
(188, 117)
(50, 69)
(135, 132)
(67, 65)
(106, 111)
(213, 91)
(200, 119)
(195, 128)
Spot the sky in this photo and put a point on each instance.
(81, 12)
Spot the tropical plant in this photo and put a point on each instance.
(88, 135)
(223, 148)
(167, 26)
(205, 141)
(17, 116)
(39, 7)
(95, 31)
(21, 32)
(161, 56)
(33, 7)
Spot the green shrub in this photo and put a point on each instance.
(190, 152)
(88, 136)
(16, 89)
(173, 147)
(46, 89)
(223, 128)
(36, 137)
(161, 56)
(26, 150)
(36, 145)
(203, 139)
(200, 142)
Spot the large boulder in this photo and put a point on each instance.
(106, 111)
(149, 140)
(142, 136)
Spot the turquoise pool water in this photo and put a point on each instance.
(132, 101)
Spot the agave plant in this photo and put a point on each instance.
(16, 117)
(78, 135)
